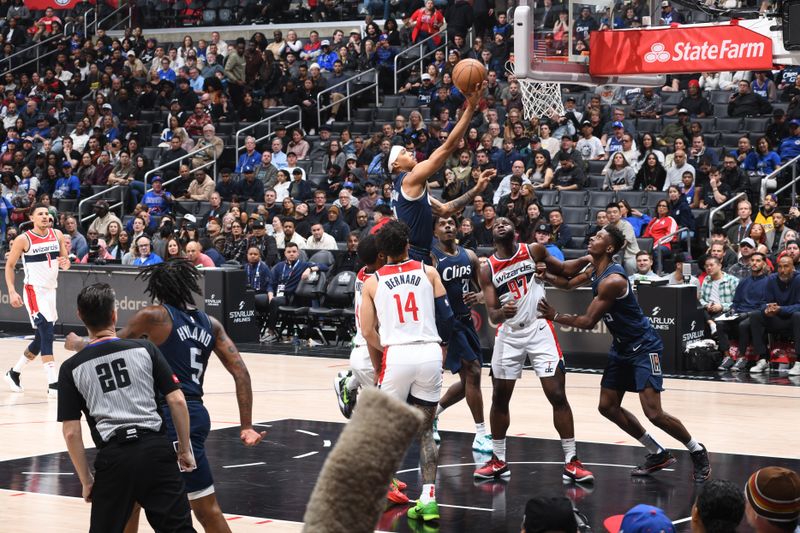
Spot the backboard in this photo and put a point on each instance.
(551, 41)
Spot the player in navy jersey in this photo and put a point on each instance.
(634, 360)
(186, 337)
(459, 269)
(410, 199)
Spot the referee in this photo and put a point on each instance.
(115, 383)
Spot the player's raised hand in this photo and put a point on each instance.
(251, 437)
(474, 98)
(485, 177)
(545, 310)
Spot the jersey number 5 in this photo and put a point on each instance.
(197, 366)
(113, 375)
(409, 307)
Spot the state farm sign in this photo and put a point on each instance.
(679, 49)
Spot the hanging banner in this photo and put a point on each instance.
(55, 4)
(679, 49)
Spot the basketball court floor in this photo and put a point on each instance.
(745, 425)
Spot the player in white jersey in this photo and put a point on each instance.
(405, 316)
(43, 252)
(512, 291)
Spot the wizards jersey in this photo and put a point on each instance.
(188, 348)
(632, 331)
(40, 262)
(456, 273)
(404, 304)
(516, 276)
(361, 278)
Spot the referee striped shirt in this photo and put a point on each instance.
(115, 383)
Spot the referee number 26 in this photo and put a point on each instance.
(113, 375)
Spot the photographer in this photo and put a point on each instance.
(98, 253)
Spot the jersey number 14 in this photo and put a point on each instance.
(409, 307)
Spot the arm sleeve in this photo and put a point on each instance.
(444, 318)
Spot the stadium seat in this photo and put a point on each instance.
(645, 243)
(576, 243)
(306, 295)
(572, 198)
(729, 125)
(596, 182)
(651, 198)
(574, 215)
(634, 198)
(600, 198)
(547, 198)
(322, 257)
(756, 125)
(597, 166)
(573, 254)
(648, 125)
(578, 229)
(706, 122)
(730, 139)
(338, 298)
(385, 114)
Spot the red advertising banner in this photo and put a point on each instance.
(55, 4)
(679, 49)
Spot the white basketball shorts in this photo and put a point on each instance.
(536, 342)
(38, 300)
(412, 373)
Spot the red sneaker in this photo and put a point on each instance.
(395, 496)
(399, 484)
(494, 468)
(575, 471)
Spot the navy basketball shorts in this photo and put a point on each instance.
(465, 345)
(199, 482)
(633, 373)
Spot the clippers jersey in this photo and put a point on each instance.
(404, 305)
(361, 277)
(416, 213)
(626, 322)
(456, 273)
(40, 262)
(188, 348)
(515, 276)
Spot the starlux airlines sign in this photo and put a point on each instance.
(679, 49)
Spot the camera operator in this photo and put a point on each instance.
(98, 253)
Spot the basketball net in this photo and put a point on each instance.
(539, 98)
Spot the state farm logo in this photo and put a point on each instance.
(705, 51)
(657, 53)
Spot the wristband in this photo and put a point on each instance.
(555, 316)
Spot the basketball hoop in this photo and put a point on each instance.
(539, 98)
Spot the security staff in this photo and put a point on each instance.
(115, 382)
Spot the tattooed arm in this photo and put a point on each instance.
(454, 206)
(229, 355)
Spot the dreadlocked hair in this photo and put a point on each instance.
(172, 282)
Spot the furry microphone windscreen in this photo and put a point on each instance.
(350, 493)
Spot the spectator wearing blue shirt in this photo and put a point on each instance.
(146, 256)
(158, 200)
(166, 73)
(542, 236)
(327, 58)
(68, 186)
(383, 61)
(259, 276)
(790, 147)
(504, 159)
(278, 155)
(250, 157)
(285, 278)
(781, 312)
(763, 160)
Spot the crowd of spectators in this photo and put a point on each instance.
(102, 112)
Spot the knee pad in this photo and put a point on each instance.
(46, 332)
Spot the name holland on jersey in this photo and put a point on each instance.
(511, 273)
(402, 279)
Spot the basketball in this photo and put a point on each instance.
(467, 74)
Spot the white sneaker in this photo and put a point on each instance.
(761, 366)
(795, 370)
(482, 444)
(52, 390)
(436, 437)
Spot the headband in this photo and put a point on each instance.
(393, 153)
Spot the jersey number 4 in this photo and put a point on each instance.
(113, 375)
(409, 307)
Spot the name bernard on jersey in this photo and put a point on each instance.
(402, 279)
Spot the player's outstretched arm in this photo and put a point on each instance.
(568, 283)
(457, 204)
(565, 269)
(610, 289)
(153, 323)
(231, 359)
(369, 323)
(414, 182)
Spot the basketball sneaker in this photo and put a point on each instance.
(653, 463)
(575, 471)
(424, 511)
(702, 467)
(436, 437)
(343, 395)
(761, 366)
(494, 468)
(726, 363)
(482, 444)
(399, 484)
(52, 390)
(740, 365)
(395, 496)
(795, 370)
(12, 378)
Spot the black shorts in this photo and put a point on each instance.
(633, 373)
(464, 345)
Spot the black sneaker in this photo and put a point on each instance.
(702, 467)
(653, 463)
(12, 378)
(740, 365)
